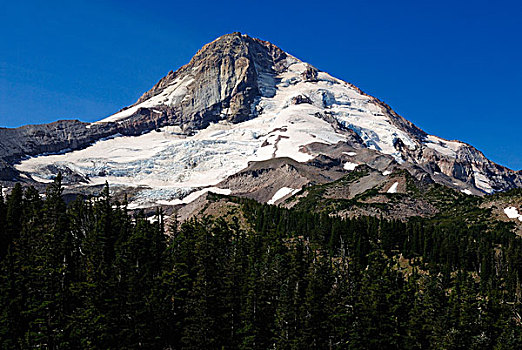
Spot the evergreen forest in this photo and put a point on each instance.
(90, 274)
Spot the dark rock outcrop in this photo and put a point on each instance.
(226, 76)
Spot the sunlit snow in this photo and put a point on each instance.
(350, 166)
(351, 154)
(481, 181)
(281, 193)
(172, 94)
(512, 213)
(186, 200)
(393, 188)
(448, 148)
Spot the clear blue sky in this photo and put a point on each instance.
(454, 68)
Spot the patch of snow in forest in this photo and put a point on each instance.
(512, 213)
(393, 188)
(350, 166)
(281, 193)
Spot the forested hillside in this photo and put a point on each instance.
(89, 275)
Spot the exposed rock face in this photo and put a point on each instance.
(310, 74)
(301, 99)
(223, 81)
(467, 164)
(238, 80)
(261, 180)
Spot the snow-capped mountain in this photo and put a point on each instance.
(240, 104)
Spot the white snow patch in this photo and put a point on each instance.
(481, 181)
(350, 166)
(152, 197)
(350, 154)
(445, 147)
(281, 193)
(386, 172)
(512, 213)
(393, 188)
(466, 191)
(172, 94)
(152, 219)
(46, 180)
(195, 195)
(341, 100)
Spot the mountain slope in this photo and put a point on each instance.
(240, 101)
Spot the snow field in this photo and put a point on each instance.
(393, 188)
(281, 193)
(512, 213)
(350, 166)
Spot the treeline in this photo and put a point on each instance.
(89, 275)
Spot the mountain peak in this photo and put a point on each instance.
(243, 101)
(222, 81)
(234, 40)
(236, 78)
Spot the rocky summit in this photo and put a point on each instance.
(244, 117)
